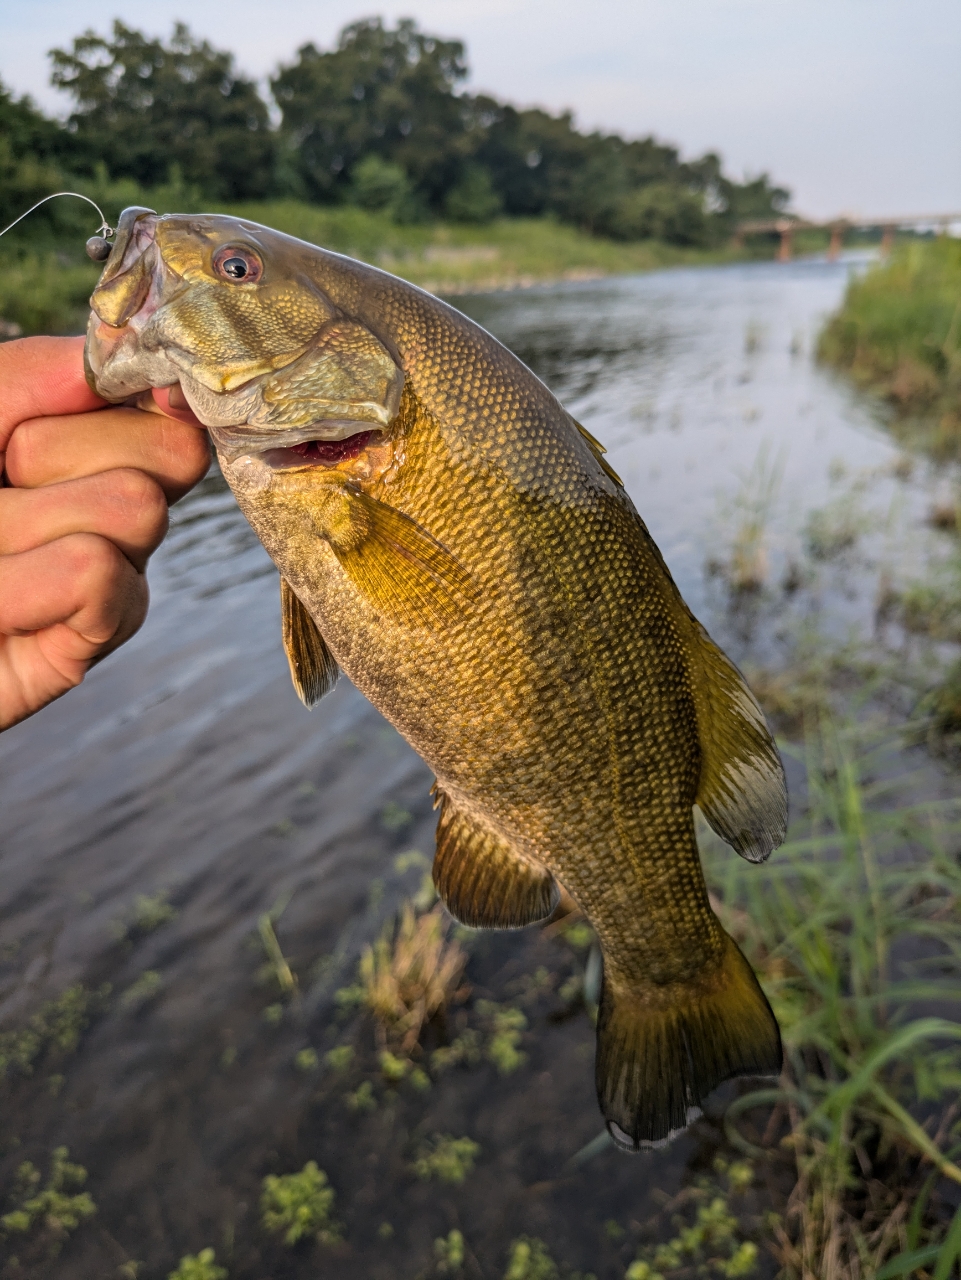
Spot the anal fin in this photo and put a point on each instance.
(658, 1058)
(483, 881)
(313, 668)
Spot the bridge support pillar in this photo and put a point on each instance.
(837, 241)
(786, 248)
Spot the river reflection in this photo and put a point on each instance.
(185, 766)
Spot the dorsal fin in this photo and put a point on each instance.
(598, 451)
(742, 791)
(484, 882)
(313, 668)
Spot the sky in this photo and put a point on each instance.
(855, 105)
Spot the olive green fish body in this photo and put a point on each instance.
(480, 574)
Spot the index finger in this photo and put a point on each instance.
(42, 376)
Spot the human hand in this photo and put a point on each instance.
(87, 506)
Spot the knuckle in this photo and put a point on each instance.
(141, 499)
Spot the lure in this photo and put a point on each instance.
(98, 246)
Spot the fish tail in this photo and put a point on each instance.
(659, 1057)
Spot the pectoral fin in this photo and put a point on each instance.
(390, 559)
(313, 668)
(742, 791)
(484, 882)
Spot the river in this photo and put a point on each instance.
(186, 771)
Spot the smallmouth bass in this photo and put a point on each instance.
(450, 537)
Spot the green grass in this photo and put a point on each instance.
(855, 929)
(898, 331)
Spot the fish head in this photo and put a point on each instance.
(238, 315)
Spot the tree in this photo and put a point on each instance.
(384, 92)
(143, 106)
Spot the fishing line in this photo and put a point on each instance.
(98, 246)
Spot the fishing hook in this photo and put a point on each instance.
(97, 246)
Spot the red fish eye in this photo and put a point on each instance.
(237, 265)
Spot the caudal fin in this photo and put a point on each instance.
(656, 1064)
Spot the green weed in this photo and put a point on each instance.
(298, 1206)
(306, 1060)
(899, 331)
(826, 924)
(506, 1025)
(58, 1209)
(529, 1260)
(446, 1159)
(199, 1266)
(339, 1059)
(55, 1029)
(449, 1251)
(142, 991)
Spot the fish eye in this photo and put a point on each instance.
(237, 265)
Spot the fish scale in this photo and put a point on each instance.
(481, 575)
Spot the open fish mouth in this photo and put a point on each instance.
(320, 453)
(318, 444)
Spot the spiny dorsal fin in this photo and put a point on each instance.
(598, 451)
(390, 559)
(313, 668)
(660, 1052)
(484, 882)
(742, 791)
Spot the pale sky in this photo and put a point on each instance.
(853, 104)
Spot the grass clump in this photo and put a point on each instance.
(57, 1209)
(446, 1159)
(855, 921)
(199, 1266)
(899, 330)
(409, 976)
(299, 1206)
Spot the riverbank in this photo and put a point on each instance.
(898, 334)
(44, 289)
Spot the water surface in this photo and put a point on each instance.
(185, 764)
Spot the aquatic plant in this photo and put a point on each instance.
(199, 1266)
(744, 565)
(298, 1206)
(57, 1209)
(142, 990)
(446, 1158)
(409, 976)
(55, 1028)
(714, 1242)
(506, 1025)
(276, 967)
(851, 924)
(449, 1251)
(530, 1260)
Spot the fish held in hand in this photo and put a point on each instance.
(450, 537)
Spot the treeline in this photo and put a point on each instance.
(380, 121)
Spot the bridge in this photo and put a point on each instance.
(787, 226)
